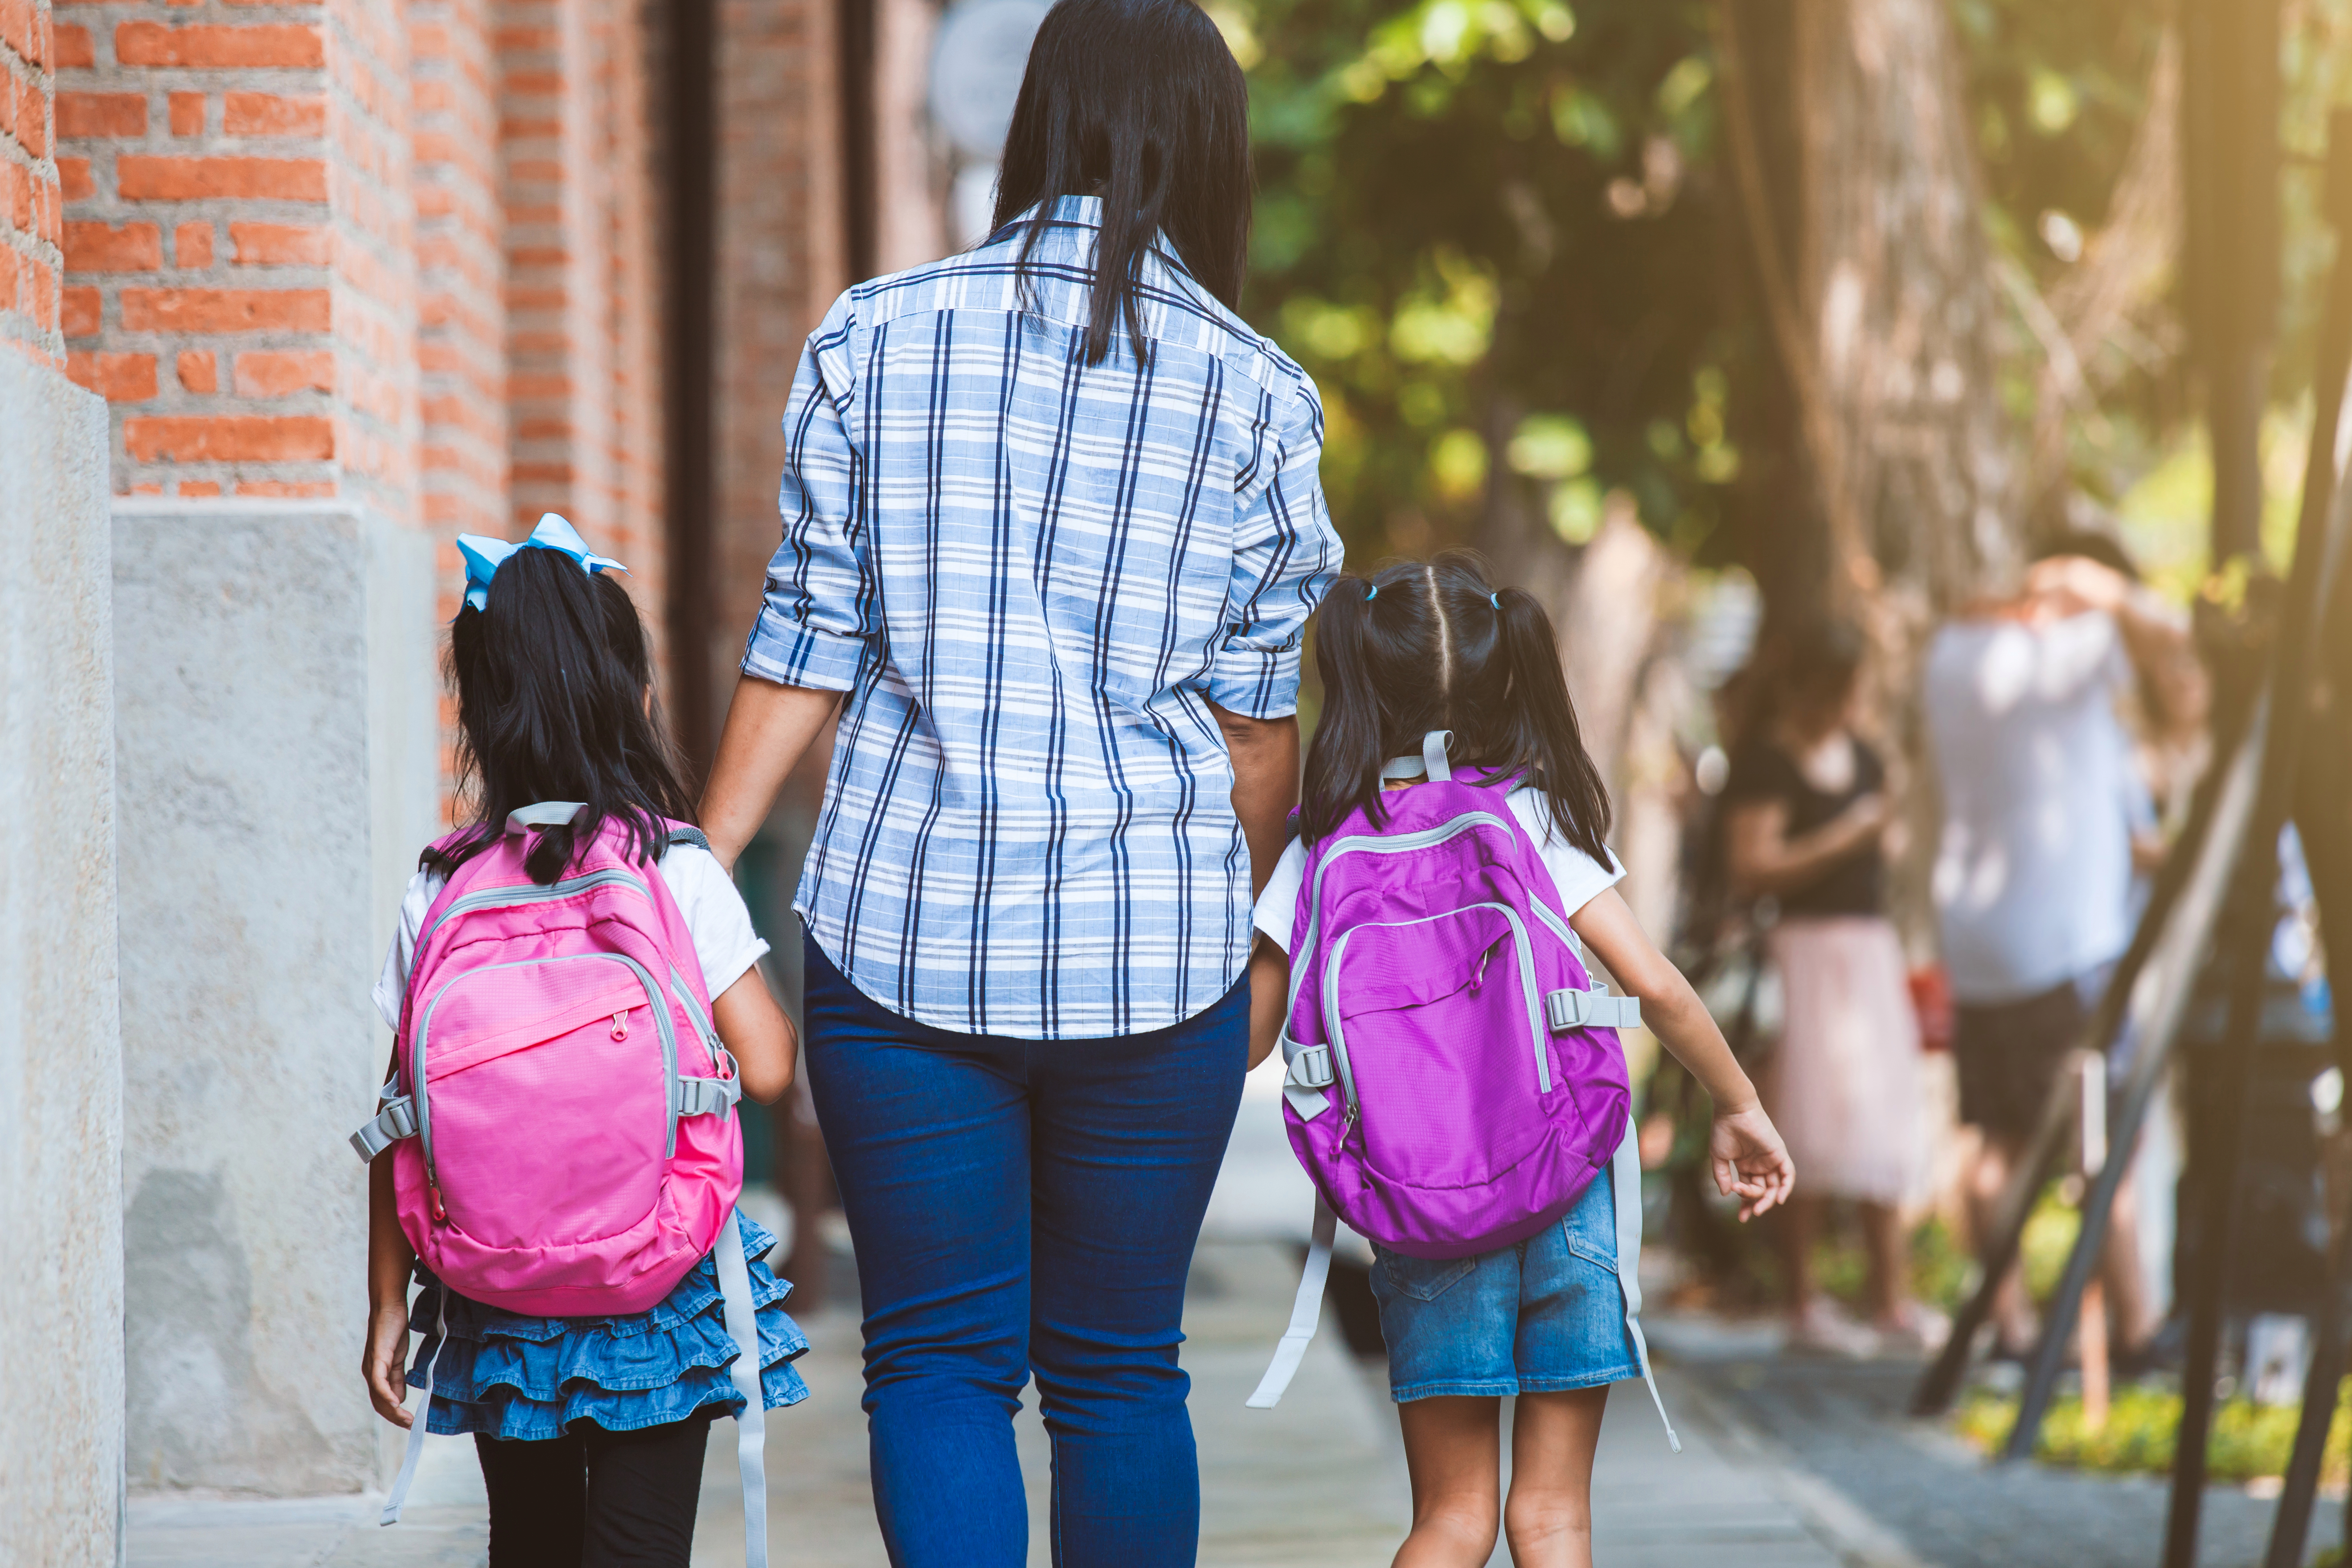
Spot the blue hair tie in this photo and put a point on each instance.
(1371, 592)
(484, 555)
(1496, 600)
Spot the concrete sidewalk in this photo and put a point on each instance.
(1317, 1483)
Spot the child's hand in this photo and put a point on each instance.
(1750, 1159)
(384, 1362)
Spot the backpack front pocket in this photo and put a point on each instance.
(584, 1043)
(1435, 1022)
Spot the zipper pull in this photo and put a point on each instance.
(621, 1025)
(440, 1210)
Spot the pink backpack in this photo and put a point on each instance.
(561, 1113)
(1455, 1082)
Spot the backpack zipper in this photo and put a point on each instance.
(1378, 844)
(662, 1027)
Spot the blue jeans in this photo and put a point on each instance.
(1539, 1316)
(1020, 1207)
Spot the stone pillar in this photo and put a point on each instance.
(60, 1041)
(277, 744)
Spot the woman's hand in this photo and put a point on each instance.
(1750, 1160)
(384, 1362)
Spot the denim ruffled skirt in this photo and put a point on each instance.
(530, 1378)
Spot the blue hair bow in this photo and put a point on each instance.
(484, 555)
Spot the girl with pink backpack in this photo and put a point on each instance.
(555, 1158)
(1454, 1084)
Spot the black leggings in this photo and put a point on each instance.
(593, 1498)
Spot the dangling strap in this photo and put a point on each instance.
(1625, 1180)
(751, 1426)
(1305, 1312)
(415, 1450)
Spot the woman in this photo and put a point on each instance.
(1808, 813)
(1052, 524)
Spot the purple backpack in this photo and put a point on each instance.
(1456, 1080)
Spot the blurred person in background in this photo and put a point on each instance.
(1807, 824)
(2046, 822)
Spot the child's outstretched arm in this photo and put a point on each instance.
(1744, 1148)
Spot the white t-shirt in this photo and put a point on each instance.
(1578, 876)
(715, 916)
(2033, 870)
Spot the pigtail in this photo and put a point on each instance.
(1537, 723)
(1343, 765)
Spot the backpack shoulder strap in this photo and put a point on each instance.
(692, 836)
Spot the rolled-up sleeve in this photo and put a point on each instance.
(1285, 555)
(820, 608)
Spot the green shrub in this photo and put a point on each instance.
(2248, 1439)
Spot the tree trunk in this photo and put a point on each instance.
(1879, 287)
(1849, 143)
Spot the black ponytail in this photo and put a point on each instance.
(553, 682)
(1423, 646)
(1355, 634)
(1525, 724)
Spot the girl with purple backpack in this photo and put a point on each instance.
(566, 960)
(1430, 963)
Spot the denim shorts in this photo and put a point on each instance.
(1539, 1316)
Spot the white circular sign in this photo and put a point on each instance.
(977, 62)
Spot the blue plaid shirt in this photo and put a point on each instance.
(1033, 576)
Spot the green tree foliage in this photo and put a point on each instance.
(1500, 232)
(1485, 226)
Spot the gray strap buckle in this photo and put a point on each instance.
(395, 1122)
(707, 1096)
(1311, 1068)
(1593, 1009)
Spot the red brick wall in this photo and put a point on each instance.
(461, 254)
(374, 330)
(239, 247)
(31, 262)
(407, 252)
(582, 292)
(782, 259)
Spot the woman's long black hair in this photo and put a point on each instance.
(1422, 646)
(554, 683)
(1139, 102)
